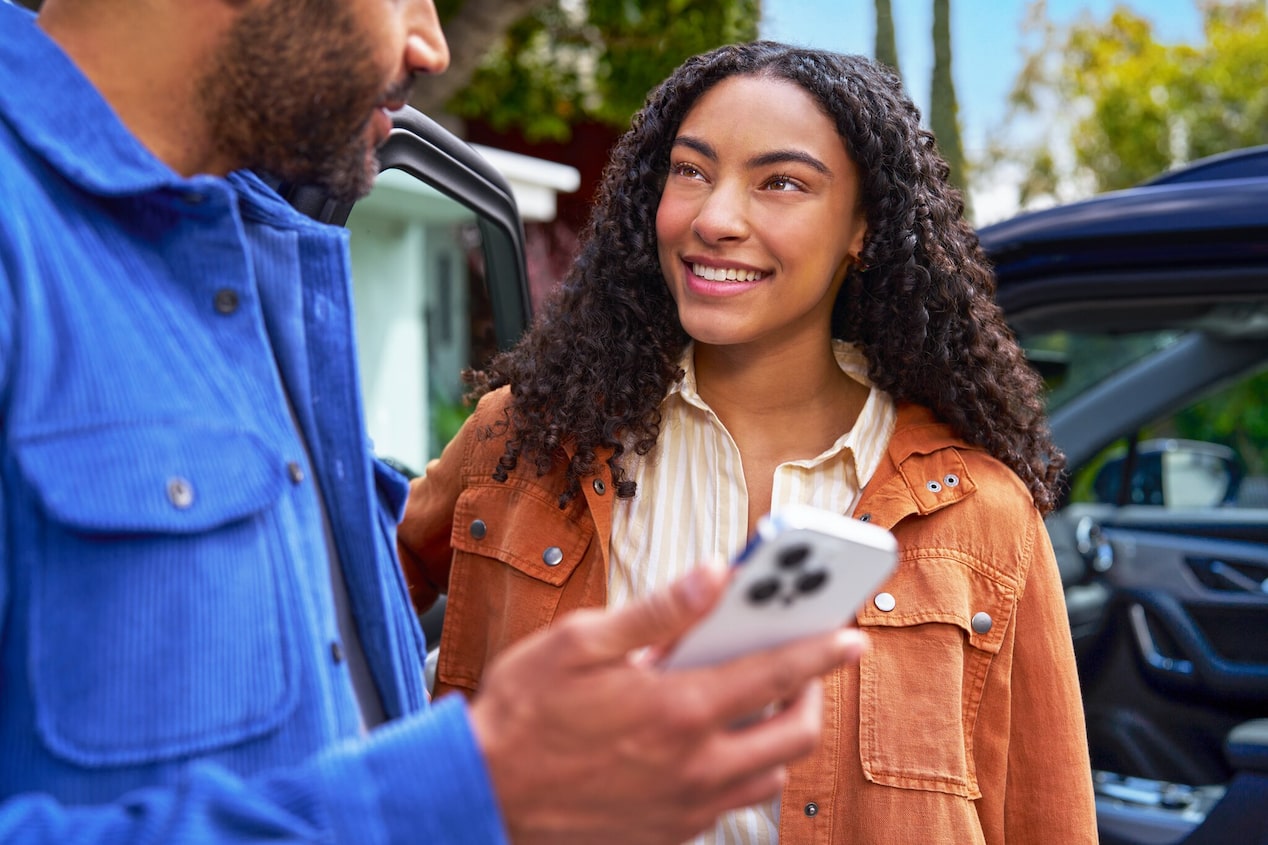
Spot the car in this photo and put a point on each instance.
(1146, 311)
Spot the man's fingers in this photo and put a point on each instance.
(654, 620)
(749, 683)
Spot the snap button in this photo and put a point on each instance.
(180, 492)
(867, 517)
(336, 652)
(553, 556)
(812, 809)
(934, 487)
(599, 486)
(226, 300)
(885, 602)
(951, 479)
(295, 471)
(982, 622)
(479, 529)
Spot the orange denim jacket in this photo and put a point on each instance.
(962, 723)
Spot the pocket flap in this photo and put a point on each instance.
(940, 586)
(523, 528)
(174, 478)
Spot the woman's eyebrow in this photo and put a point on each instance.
(782, 156)
(766, 159)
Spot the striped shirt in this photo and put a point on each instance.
(692, 506)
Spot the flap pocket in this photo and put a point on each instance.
(172, 478)
(523, 528)
(933, 633)
(943, 586)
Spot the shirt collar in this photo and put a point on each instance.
(58, 113)
(866, 441)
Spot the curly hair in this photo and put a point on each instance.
(594, 368)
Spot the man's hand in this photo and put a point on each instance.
(585, 743)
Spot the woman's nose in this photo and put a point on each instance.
(722, 215)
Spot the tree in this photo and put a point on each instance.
(944, 112)
(579, 60)
(886, 50)
(1138, 107)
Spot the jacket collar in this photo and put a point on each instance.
(923, 470)
(58, 113)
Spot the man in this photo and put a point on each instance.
(203, 631)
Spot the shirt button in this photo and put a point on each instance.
(934, 486)
(951, 479)
(336, 652)
(599, 486)
(226, 300)
(295, 471)
(193, 198)
(553, 556)
(885, 602)
(180, 492)
(812, 809)
(478, 529)
(982, 622)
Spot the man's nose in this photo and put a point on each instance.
(426, 50)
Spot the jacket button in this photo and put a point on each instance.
(226, 300)
(982, 622)
(934, 486)
(867, 517)
(885, 602)
(180, 492)
(951, 479)
(599, 486)
(553, 556)
(812, 809)
(478, 529)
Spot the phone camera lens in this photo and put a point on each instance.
(763, 591)
(812, 581)
(793, 556)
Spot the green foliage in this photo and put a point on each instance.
(1141, 107)
(944, 111)
(886, 51)
(596, 60)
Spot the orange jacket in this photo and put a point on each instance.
(963, 722)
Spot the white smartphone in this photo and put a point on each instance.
(805, 571)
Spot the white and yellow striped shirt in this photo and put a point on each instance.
(692, 506)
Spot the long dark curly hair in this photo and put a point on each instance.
(601, 356)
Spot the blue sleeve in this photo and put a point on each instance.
(420, 780)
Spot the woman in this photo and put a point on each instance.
(777, 300)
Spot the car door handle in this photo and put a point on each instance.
(1148, 648)
(1237, 579)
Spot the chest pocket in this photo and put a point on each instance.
(515, 553)
(158, 570)
(933, 631)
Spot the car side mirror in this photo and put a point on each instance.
(1172, 473)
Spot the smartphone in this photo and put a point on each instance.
(805, 571)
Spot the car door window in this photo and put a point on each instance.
(423, 313)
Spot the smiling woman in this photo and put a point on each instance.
(777, 302)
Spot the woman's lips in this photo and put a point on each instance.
(713, 280)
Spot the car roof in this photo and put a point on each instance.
(1206, 220)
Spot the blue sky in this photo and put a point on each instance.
(986, 42)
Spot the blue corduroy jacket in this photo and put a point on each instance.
(170, 665)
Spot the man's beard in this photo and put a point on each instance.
(291, 94)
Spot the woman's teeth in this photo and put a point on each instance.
(730, 274)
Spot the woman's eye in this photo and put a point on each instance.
(684, 169)
(782, 183)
